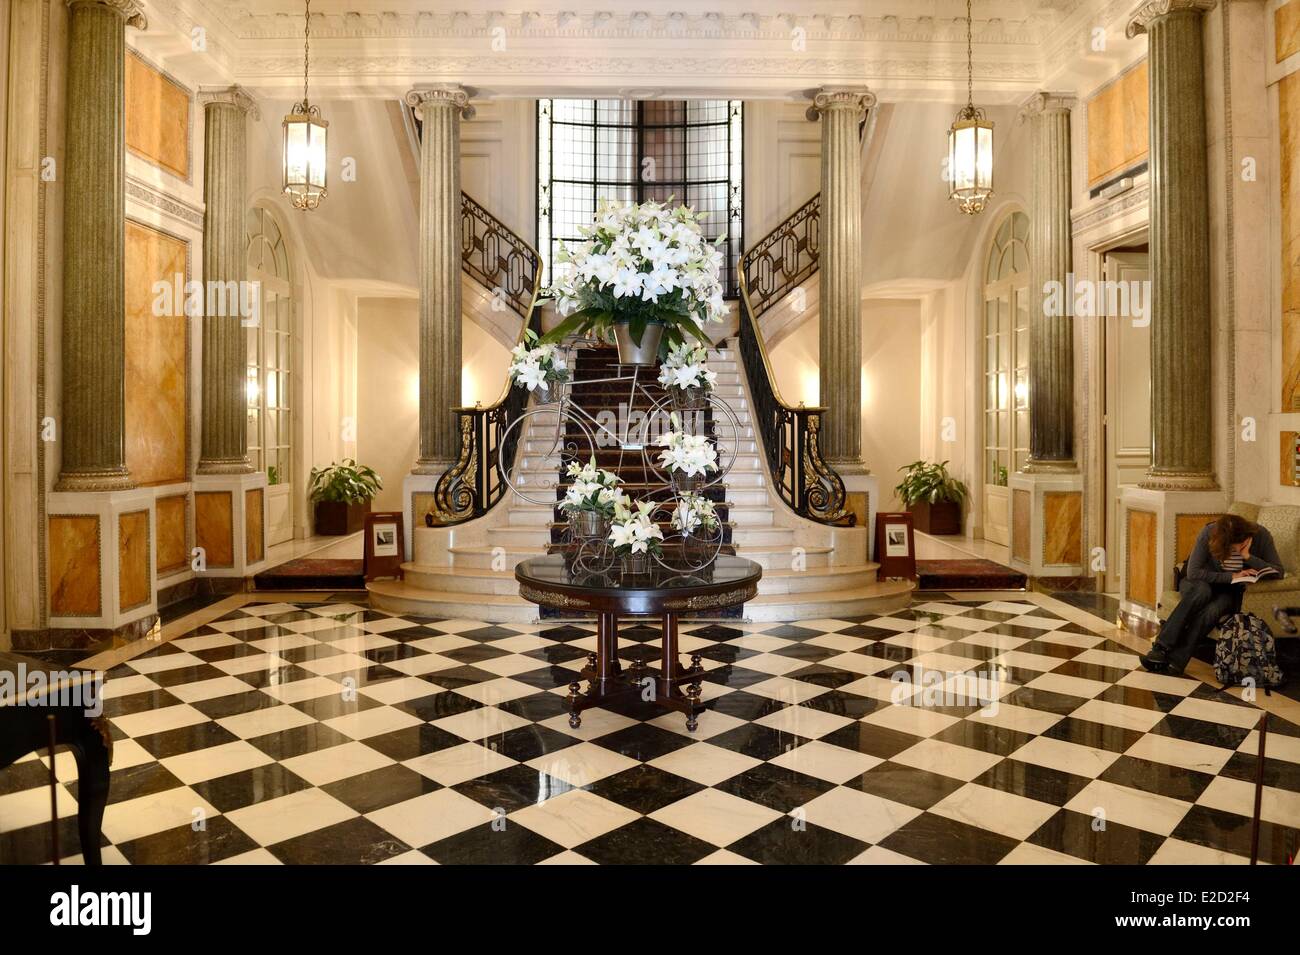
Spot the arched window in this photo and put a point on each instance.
(1006, 367)
(270, 368)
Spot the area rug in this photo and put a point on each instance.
(972, 574)
(313, 573)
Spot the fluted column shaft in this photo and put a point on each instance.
(1051, 337)
(440, 265)
(224, 441)
(1181, 415)
(839, 274)
(93, 439)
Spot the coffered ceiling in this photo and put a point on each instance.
(902, 49)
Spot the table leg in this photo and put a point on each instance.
(603, 669)
(92, 792)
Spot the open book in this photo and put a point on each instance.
(1251, 575)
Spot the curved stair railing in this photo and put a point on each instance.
(509, 267)
(770, 270)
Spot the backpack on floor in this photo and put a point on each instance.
(1246, 650)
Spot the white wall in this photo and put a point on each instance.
(388, 391)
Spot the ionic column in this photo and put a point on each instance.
(94, 289)
(1181, 415)
(1051, 337)
(440, 112)
(840, 262)
(224, 442)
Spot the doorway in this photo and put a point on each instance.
(1126, 396)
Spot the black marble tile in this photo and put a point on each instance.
(1141, 698)
(505, 843)
(242, 789)
(644, 788)
(1153, 777)
(513, 788)
(792, 632)
(1201, 731)
(642, 742)
(456, 677)
(1278, 773)
(22, 776)
(905, 784)
(529, 742)
(278, 675)
(131, 782)
(791, 841)
(645, 842)
(1230, 832)
(887, 651)
(185, 739)
(476, 653)
(329, 707)
(566, 633)
(234, 704)
(820, 675)
(810, 652)
(312, 651)
(1045, 700)
(1033, 781)
(1090, 671)
(735, 676)
(775, 787)
(866, 632)
(878, 741)
(719, 632)
(746, 706)
(190, 674)
(760, 742)
(356, 841)
(1114, 739)
(942, 841)
(438, 705)
(1080, 835)
(219, 839)
(412, 741)
(539, 707)
(380, 788)
(841, 703)
(1049, 649)
(310, 738)
(985, 737)
(138, 703)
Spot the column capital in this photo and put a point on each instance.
(1142, 18)
(131, 10)
(859, 99)
(447, 97)
(1043, 102)
(235, 96)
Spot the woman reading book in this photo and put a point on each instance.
(1228, 554)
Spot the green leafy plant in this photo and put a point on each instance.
(349, 483)
(272, 475)
(925, 481)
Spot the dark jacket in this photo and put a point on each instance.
(1202, 565)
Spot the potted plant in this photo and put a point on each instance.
(342, 494)
(688, 457)
(591, 500)
(537, 367)
(635, 537)
(696, 517)
(644, 273)
(686, 375)
(932, 496)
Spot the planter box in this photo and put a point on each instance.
(941, 518)
(334, 518)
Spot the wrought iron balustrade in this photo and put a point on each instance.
(779, 263)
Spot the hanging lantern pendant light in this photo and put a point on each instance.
(970, 146)
(305, 134)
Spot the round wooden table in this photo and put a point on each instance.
(551, 581)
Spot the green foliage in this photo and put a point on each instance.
(272, 475)
(349, 482)
(928, 482)
(599, 318)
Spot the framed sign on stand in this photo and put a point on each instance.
(384, 545)
(895, 545)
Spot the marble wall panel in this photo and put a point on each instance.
(1286, 30)
(1288, 99)
(173, 548)
(1142, 574)
(1021, 511)
(157, 118)
(214, 527)
(133, 584)
(157, 370)
(1062, 527)
(1117, 125)
(254, 542)
(1186, 527)
(74, 565)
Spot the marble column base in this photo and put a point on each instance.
(101, 559)
(1157, 529)
(230, 523)
(417, 498)
(1047, 523)
(862, 494)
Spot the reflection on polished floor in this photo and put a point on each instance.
(326, 732)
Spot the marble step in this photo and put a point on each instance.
(778, 557)
(745, 537)
(481, 556)
(396, 596)
(784, 580)
(881, 597)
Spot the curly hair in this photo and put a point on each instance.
(1228, 531)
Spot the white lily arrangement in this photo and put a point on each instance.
(535, 365)
(691, 454)
(693, 512)
(640, 264)
(633, 532)
(685, 367)
(592, 489)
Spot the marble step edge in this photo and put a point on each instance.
(879, 597)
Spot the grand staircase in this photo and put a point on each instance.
(468, 571)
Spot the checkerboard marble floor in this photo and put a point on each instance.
(310, 733)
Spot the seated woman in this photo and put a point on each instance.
(1227, 555)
